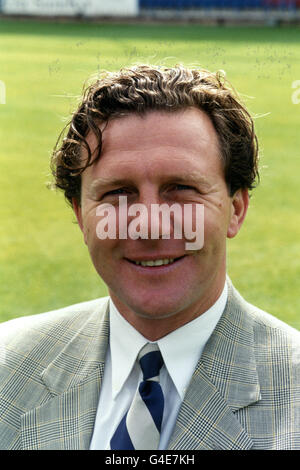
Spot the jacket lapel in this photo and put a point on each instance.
(224, 381)
(66, 420)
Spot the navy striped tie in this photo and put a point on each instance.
(141, 426)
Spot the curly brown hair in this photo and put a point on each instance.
(146, 88)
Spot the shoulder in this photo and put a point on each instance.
(266, 325)
(73, 336)
(272, 338)
(275, 340)
(21, 335)
(61, 315)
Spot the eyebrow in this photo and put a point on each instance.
(190, 177)
(102, 182)
(99, 182)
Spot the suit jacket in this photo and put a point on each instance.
(244, 393)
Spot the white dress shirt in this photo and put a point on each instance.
(181, 350)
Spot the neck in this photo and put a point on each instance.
(154, 328)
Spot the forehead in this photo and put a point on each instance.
(158, 141)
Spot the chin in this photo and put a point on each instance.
(158, 314)
(155, 310)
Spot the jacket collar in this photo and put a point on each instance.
(225, 380)
(73, 381)
(86, 351)
(229, 356)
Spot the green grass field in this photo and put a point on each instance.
(43, 261)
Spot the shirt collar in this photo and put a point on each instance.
(181, 349)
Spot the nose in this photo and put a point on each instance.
(152, 221)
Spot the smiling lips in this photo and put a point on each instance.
(156, 262)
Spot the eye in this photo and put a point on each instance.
(182, 187)
(116, 192)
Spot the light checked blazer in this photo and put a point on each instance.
(244, 393)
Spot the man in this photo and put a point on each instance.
(227, 374)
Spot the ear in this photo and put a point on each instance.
(239, 207)
(78, 212)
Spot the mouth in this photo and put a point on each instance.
(154, 263)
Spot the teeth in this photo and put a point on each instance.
(158, 262)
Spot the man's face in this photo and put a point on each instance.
(155, 159)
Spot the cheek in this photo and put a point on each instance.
(100, 246)
(105, 258)
(88, 232)
(215, 226)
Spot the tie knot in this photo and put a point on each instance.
(150, 360)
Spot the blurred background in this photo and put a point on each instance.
(49, 48)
